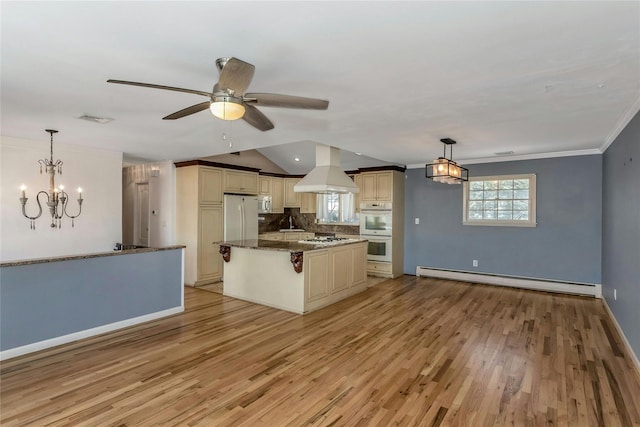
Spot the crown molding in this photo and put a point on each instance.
(497, 159)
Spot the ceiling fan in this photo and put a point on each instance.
(229, 100)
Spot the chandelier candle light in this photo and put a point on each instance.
(57, 198)
(446, 170)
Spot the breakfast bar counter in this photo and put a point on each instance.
(295, 276)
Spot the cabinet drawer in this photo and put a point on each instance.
(383, 267)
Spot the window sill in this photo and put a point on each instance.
(501, 223)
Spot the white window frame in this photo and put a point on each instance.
(340, 221)
(531, 222)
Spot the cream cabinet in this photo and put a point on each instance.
(291, 198)
(357, 179)
(274, 187)
(308, 202)
(376, 186)
(209, 185)
(264, 185)
(240, 182)
(199, 221)
(277, 195)
(316, 273)
(210, 231)
(271, 236)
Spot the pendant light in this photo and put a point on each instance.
(446, 170)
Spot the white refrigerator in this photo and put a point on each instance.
(240, 217)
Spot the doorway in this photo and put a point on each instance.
(141, 215)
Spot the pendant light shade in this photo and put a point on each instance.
(446, 170)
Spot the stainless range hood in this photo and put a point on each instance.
(326, 177)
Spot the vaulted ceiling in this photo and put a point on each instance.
(522, 78)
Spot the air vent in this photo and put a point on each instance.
(96, 119)
(503, 153)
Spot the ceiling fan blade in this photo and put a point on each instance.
(188, 111)
(285, 101)
(177, 89)
(236, 75)
(255, 118)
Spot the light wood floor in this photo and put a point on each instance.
(410, 351)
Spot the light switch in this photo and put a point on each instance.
(417, 220)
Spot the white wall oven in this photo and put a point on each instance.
(376, 227)
(378, 248)
(375, 219)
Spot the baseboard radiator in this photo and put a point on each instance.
(589, 289)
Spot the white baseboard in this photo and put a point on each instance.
(634, 357)
(594, 290)
(52, 342)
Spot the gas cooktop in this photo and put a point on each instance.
(327, 240)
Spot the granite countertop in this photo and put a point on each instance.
(284, 245)
(85, 256)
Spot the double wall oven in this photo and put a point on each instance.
(376, 227)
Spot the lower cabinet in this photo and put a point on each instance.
(334, 274)
(317, 275)
(210, 231)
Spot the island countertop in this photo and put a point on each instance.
(288, 246)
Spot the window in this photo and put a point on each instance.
(508, 200)
(336, 208)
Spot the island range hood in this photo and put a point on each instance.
(326, 177)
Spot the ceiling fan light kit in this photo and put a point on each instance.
(445, 170)
(227, 107)
(229, 101)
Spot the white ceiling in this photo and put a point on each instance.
(535, 78)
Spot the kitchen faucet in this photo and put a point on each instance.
(290, 223)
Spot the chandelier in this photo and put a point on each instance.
(446, 170)
(57, 198)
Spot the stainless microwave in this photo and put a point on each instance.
(264, 204)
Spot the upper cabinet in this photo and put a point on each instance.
(209, 185)
(274, 187)
(376, 186)
(308, 202)
(240, 182)
(291, 198)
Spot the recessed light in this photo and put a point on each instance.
(96, 119)
(358, 154)
(600, 85)
(503, 153)
(297, 159)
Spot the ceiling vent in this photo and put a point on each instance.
(326, 177)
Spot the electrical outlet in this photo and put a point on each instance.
(417, 220)
(615, 294)
(475, 262)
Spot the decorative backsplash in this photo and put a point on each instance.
(277, 221)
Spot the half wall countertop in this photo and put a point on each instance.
(85, 256)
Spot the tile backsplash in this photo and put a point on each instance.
(277, 221)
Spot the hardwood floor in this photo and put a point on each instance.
(409, 351)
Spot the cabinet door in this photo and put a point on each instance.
(291, 235)
(368, 189)
(291, 198)
(359, 268)
(277, 195)
(264, 186)
(357, 179)
(210, 231)
(341, 262)
(384, 186)
(241, 182)
(210, 185)
(316, 271)
(308, 202)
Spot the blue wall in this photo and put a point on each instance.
(621, 230)
(53, 299)
(565, 246)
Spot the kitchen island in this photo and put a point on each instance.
(294, 276)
